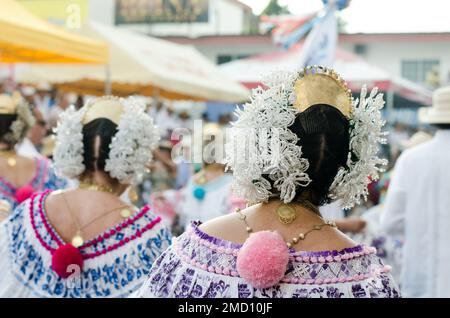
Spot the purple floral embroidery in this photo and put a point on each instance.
(358, 291)
(216, 290)
(272, 292)
(385, 290)
(333, 292)
(300, 293)
(183, 288)
(197, 291)
(243, 291)
(316, 291)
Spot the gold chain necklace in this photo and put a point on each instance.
(77, 239)
(96, 187)
(300, 237)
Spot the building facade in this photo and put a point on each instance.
(192, 18)
(225, 30)
(423, 58)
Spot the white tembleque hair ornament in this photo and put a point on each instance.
(16, 105)
(130, 149)
(261, 147)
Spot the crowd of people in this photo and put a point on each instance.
(117, 197)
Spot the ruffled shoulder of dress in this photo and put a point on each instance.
(116, 262)
(37, 182)
(199, 265)
(41, 174)
(46, 178)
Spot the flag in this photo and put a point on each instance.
(320, 44)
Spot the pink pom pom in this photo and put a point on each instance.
(65, 256)
(263, 259)
(24, 193)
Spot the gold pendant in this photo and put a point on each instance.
(125, 213)
(77, 240)
(201, 178)
(132, 194)
(286, 214)
(12, 162)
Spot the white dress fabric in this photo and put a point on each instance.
(198, 265)
(116, 262)
(27, 149)
(418, 207)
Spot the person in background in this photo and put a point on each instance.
(42, 99)
(207, 193)
(163, 169)
(417, 206)
(28, 93)
(184, 166)
(225, 119)
(162, 118)
(396, 137)
(79, 102)
(62, 102)
(389, 247)
(20, 176)
(184, 120)
(86, 242)
(32, 143)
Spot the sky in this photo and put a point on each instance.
(379, 16)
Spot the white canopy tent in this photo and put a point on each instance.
(351, 67)
(142, 65)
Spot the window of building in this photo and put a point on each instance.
(360, 49)
(419, 70)
(221, 59)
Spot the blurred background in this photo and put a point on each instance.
(198, 59)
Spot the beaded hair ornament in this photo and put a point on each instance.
(15, 105)
(130, 149)
(260, 146)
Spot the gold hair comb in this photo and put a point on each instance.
(322, 85)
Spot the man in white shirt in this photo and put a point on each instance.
(417, 207)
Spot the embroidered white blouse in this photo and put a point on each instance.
(116, 262)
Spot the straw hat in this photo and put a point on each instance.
(416, 139)
(439, 113)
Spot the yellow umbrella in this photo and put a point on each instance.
(141, 65)
(25, 38)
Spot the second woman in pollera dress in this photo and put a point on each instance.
(87, 242)
(20, 176)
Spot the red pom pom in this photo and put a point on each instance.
(65, 256)
(24, 193)
(262, 261)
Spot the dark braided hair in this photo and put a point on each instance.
(324, 136)
(6, 121)
(97, 136)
